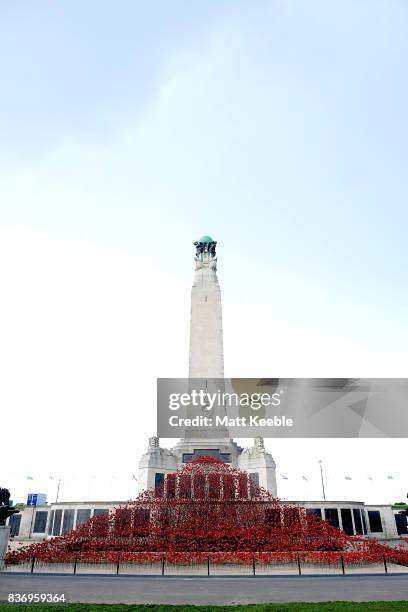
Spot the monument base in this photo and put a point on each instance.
(158, 462)
(4, 539)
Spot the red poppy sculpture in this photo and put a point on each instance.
(207, 508)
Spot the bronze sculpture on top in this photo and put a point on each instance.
(205, 245)
(5, 509)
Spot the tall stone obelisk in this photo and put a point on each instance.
(206, 347)
(206, 359)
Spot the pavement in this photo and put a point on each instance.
(207, 590)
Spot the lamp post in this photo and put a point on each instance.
(321, 476)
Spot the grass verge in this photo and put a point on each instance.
(327, 606)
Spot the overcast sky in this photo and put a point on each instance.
(129, 129)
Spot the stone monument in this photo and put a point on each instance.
(206, 361)
(5, 512)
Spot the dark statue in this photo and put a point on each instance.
(205, 247)
(5, 509)
(199, 248)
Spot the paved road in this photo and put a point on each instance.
(204, 590)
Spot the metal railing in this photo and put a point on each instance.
(207, 565)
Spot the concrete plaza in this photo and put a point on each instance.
(208, 590)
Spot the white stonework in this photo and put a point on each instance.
(156, 460)
(28, 531)
(4, 538)
(389, 528)
(257, 460)
(206, 345)
(206, 362)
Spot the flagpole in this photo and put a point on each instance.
(58, 488)
(321, 476)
